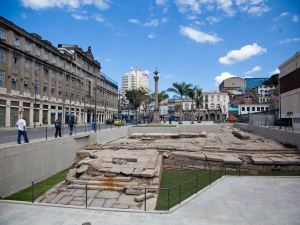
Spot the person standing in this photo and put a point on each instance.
(57, 125)
(21, 124)
(71, 123)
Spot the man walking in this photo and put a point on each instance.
(57, 125)
(71, 123)
(21, 124)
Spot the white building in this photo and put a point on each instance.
(264, 93)
(215, 100)
(134, 79)
(289, 83)
(252, 108)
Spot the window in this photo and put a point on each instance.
(46, 74)
(45, 89)
(2, 78)
(27, 46)
(248, 109)
(26, 85)
(267, 108)
(37, 69)
(258, 109)
(212, 105)
(38, 51)
(262, 109)
(253, 109)
(59, 94)
(14, 82)
(15, 61)
(186, 106)
(17, 41)
(54, 59)
(2, 56)
(46, 56)
(52, 92)
(243, 109)
(2, 34)
(27, 64)
(36, 87)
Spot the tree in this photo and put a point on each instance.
(181, 89)
(272, 81)
(198, 100)
(136, 98)
(191, 93)
(163, 95)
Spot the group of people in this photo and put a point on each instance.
(21, 125)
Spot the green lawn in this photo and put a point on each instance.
(39, 188)
(171, 179)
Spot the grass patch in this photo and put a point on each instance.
(183, 183)
(39, 188)
(156, 125)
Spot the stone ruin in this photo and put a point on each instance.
(117, 173)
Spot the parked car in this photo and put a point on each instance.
(109, 121)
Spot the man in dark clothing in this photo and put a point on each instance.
(57, 125)
(71, 123)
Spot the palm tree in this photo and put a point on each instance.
(191, 93)
(198, 100)
(163, 95)
(181, 89)
(136, 97)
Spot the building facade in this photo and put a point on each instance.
(251, 83)
(289, 83)
(42, 83)
(134, 79)
(232, 83)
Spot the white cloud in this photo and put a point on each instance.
(213, 19)
(188, 5)
(241, 54)
(80, 17)
(152, 23)
(41, 4)
(276, 71)
(295, 18)
(199, 36)
(226, 6)
(289, 40)
(254, 7)
(99, 18)
(254, 69)
(221, 77)
(161, 2)
(151, 35)
(164, 20)
(134, 21)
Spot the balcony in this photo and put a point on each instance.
(26, 94)
(14, 92)
(45, 98)
(53, 99)
(3, 90)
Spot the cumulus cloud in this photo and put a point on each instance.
(221, 77)
(213, 19)
(241, 54)
(276, 71)
(226, 6)
(254, 69)
(152, 23)
(289, 40)
(151, 35)
(80, 17)
(134, 21)
(188, 5)
(161, 2)
(254, 7)
(199, 36)
(41, 4)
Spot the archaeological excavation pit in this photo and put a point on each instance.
(116, 174)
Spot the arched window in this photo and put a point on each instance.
(212, 106)
(186, 107)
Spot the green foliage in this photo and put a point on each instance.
(180, 89)
(272, 81)
(136, 97)
(39, 188)
(163, 95)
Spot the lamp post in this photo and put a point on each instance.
(156, 118)
(35, 92)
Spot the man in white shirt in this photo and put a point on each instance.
(21, 124)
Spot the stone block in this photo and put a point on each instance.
(148, 173)
(260, 160)
(109, 203)
(97, 202)
(82, 169)
(141, 198)
(77, 203)
(65, 200)
(92, 193)
(127, 171)
(133, 192)
(108, 194)
(127, 200)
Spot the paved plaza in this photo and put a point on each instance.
(232, 200)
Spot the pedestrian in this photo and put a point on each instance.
(71, 123)
(21, 124)
(57, 126)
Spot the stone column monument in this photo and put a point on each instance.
(156, 118)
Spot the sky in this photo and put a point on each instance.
(200, 42)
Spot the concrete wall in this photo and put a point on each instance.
(274, 134)
(22, 164)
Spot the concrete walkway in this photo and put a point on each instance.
(233, 200)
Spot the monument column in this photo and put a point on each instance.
(156, 118)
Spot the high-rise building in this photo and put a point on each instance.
(42, 83)
(134, 79)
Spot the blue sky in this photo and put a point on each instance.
(197, 41)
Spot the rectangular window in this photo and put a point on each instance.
(2, 56)
(37, 69)
(14, 82)
(3, 35)
(15, 61)
(2, 78)
(262, 109)
(54, 59)
(46, 56)
(27, 64)
(248, 109)
(258, 109)
(27, 46)
(243, 109)
(26, 85)
(46, 74)
(52, 92)
(253, 109)
(267, 108)
(17, 41)
(45, 90)
(38, 51)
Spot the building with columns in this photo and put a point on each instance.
(42, 83)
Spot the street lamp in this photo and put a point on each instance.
(156, 118)
(35, 92)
